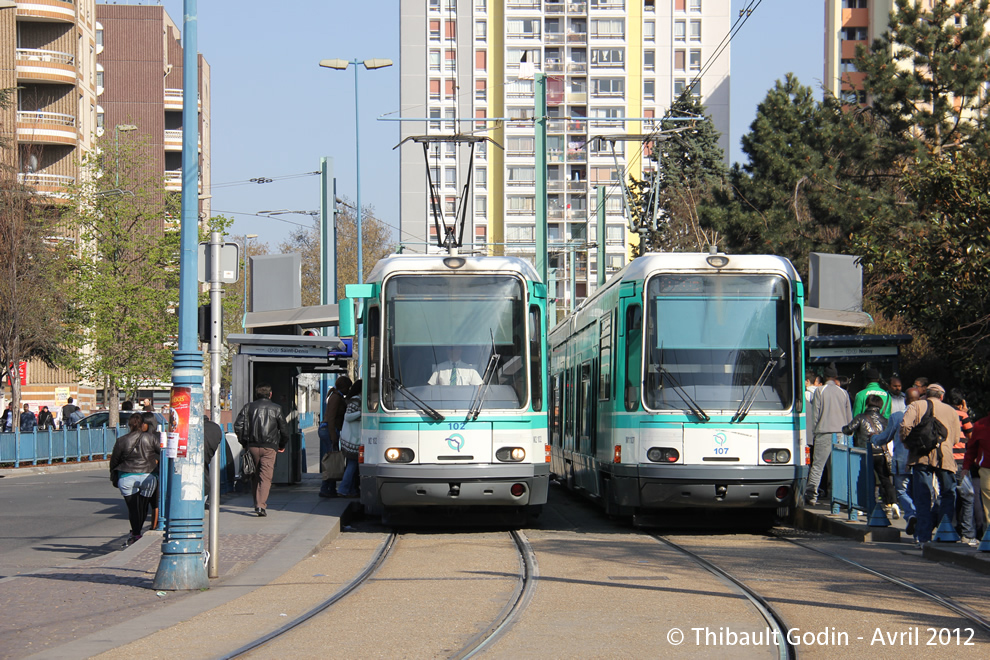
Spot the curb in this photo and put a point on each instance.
(27, 470)
(969, 558)
(858, 531)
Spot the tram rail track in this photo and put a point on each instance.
(775, 621)
(516, 604)
(942, 600)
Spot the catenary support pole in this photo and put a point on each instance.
(600, 206)
(540, 112)
(181, 566)
(216, 333)
(328, 248)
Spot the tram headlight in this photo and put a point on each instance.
(663, 454)
(510, 454)
(776, 456)
(399, 455)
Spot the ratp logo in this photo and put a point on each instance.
(456, 442)
(720, 440)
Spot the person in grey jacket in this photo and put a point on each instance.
(831, 411)
(135, 459)
(262, 430)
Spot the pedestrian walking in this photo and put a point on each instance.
(938, 465)
(67, 411)
(832, 411)
(262, 430)
(890, 437)
(350, 441)
(7, 421)
(45, 419)
(333, 417)
(28, 421)
(862, 428)
(133, 464)
(965, 494)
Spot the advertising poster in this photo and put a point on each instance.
(178, 436)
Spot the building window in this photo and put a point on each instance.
(680, 5)
(848, 66)
(480, 125)
(520, 175)
(696, 30)
(480, 30)
(608, 113)
(435, 175)
(615, 233)
(608, 57)
(649, 89)
(520, 204)
(521, 145)
(480, 208)
(523, 28)
(481, 177)
(450, 5)
(608, 86)
(434, 89)
(448, 114)
(450, 206)
(680, 30)
(450, 177)
(448, 88)
(694, 5)
(854, 4)
(434, 60)
(679, 60)
(481, 6)
(679, 85)
(614, 261)
(579, 85)
(517, 234)
(481, 60)
(435, 114)
(99, 38)
(695, 60)
(434, 5)
(449, 59)
(853, 96)
(434, 30)
(649, 59)
(450, 30)
(854, 34)
(481, 90)
(613, 204)
(614, 28)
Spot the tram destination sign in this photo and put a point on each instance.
(284, 351)
(852, 351)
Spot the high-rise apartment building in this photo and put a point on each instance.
(849, 24)
(139, 65)
(611, 66)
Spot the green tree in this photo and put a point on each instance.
(926, 76)
(129, 268)
(809, 181)
(690, 166)
(36, 276)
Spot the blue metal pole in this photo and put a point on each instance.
(181, 565)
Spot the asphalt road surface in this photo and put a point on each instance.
(59, 518)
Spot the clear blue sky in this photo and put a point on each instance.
(276, 112)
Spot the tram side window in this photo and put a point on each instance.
(568, 409)
(536, 357)
(555, 404)
(374, 349)
(634, 356)
(605, 352)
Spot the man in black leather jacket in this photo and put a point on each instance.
(262, 430)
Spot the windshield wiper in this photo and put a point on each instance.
(479, 396)
(750, 397)
(691, 403)
(422, 405)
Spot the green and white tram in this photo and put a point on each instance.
(679, 385)
(454, 365)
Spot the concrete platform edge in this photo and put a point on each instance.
(816, 521)
(969, 560)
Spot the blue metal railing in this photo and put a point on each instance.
(852, 479)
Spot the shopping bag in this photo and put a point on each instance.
(332, 466)
(247, 463)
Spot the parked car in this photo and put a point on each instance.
(100, 419)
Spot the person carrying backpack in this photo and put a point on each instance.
(928, 430)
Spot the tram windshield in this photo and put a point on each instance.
(451, 340)
(718, 342)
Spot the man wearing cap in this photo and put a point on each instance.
(938, 464)
(872, 387)
(830, 412)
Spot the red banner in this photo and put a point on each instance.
(22, 368)
(179, 420)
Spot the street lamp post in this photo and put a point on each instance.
(117, 130)
(247, 238)
(340, 65)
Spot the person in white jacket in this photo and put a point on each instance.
(350, 442)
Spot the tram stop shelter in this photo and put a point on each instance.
(278, 355)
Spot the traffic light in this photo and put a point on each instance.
(203, 322)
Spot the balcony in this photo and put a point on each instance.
(553, 67)
(550, 38)
(47, 184)
(577, 156)
(173, 181)
(555, 185)
(173, 140)
(47, 10)
(578, 98)
(577, 125)
(35, 65)
(522, 4)
(577, 37)
(577, 67)
(555, 126)
(577, 7)
(173, 101)
(35, 127)
(577, 186)
(554, 8)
